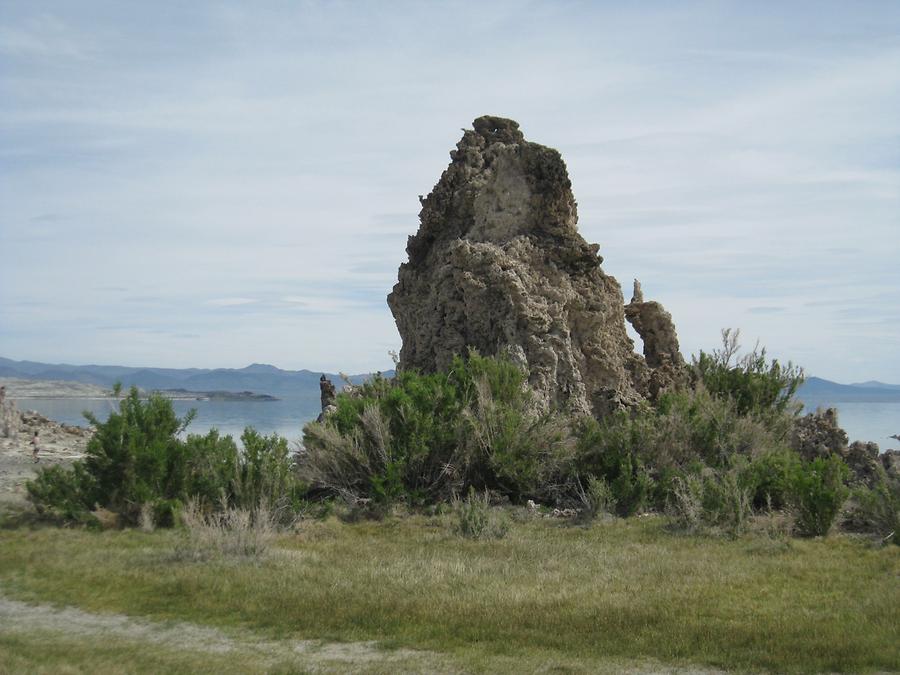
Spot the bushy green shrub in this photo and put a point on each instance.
(610, 449)
(136, 463)
(422, 438)
(62, 494)
(876, 510)
(641, 452)
(210, 465)
(768, 477)
(135, 456)
(265, 474)
(597, 498)
(817, 493)
(756, 385)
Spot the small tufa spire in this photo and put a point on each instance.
(638, 295)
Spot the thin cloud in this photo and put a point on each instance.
(251, 174)
(231, 302)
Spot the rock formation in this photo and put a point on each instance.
(498, 265)
(890, 460)
(863, 460)
(327, 395)
(661, 351)
(9, 416)
(818, 434)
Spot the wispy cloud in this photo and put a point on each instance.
(247, 176)
(230, 302)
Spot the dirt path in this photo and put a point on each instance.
(22, 618)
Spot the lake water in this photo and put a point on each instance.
(862, 421)
(285, 416)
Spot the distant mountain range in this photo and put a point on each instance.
(262, 378)
(259, 378)
(817, 390)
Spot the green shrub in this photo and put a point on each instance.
(596, 498)
(756, 385)
(640, 453)
(768, 477)
(135, 456)
(421, 438)
(475, 519)
(62, 494)
(817, 493)
(265, 474)
(210, 466)
(136, 464)
(876, 510)
(608, 449)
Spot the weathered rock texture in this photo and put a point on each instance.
(327, 396)
(498, 265)
(863, 460)
(818, 434)
(661, 351)
(9, 418)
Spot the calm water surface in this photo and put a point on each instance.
(285, 417)
(863, 421)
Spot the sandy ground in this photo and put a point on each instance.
(58, 444)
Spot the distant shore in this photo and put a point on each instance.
(22, 389)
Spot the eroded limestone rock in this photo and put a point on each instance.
(863, 460)
(498, 265)
(327, 395)
(656, 328)
(890, 460)
(9, 417)
(819, 435)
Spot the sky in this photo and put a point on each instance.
(211, 184)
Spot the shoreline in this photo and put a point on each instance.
(19, 389)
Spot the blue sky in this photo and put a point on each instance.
(213, 184)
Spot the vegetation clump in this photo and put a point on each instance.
(427, 438)
(475, 519)
(711, 456)
(139, 467)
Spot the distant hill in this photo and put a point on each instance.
(875, 384)
(258, 378)
(817, 390)
(262, 378)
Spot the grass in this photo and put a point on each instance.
(45, 652)
(548, 596)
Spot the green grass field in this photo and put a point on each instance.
(549, 597)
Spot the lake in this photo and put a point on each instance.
(285, 416)
(862, 421)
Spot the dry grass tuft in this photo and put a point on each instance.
(230, 532)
